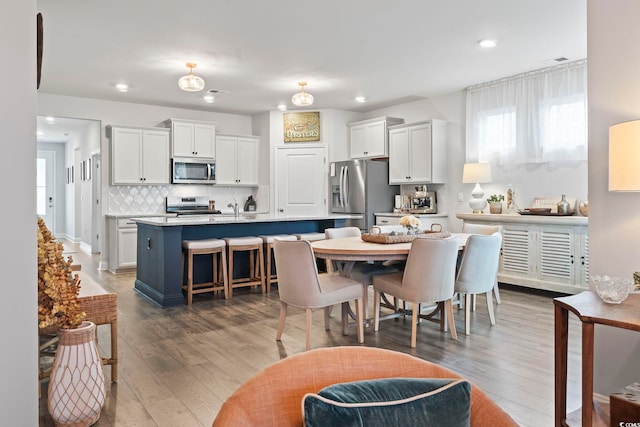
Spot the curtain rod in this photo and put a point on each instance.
(573, 64)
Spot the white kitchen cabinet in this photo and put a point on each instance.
(123, 237)
(552, 256)
(426, 220)
(192, 139)
(139, 155)
(237, 160)
(418, 153)
(368, 138)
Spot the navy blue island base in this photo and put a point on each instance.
(158, 275)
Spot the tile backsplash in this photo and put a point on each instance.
(150, 199)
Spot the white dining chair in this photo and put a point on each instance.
(487, 230)
(428, 278)
(300, 285)
(477, 273)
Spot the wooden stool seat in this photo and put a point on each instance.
(310, 237)
(256, 276)
(219, 279)
(272, 278)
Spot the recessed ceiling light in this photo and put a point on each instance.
(209, 98)
(122, 87)
(488, 43)
(361, 99)
(50, 120)
(282, 107)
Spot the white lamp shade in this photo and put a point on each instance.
(624, 156)
(476, 173)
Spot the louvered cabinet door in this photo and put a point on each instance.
(515, 259)
(556, 257)
(582, 264)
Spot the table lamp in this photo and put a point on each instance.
(477, 173)
(624, 154)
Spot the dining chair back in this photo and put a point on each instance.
(478, 271)
(428, 277)
(300, 285)
(488, 230)
(338, 232)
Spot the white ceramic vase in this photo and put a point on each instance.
(76, 384)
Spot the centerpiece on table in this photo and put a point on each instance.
(411, 223)
(76, 381)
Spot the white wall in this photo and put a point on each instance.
(18, 305)
(614, 218)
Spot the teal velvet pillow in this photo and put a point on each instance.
(388, 402)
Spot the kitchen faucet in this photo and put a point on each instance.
(234, 206)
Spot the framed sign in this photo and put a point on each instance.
(301, 127)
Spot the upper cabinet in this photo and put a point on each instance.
(418, 153)
(237, 160)
(368, 138)
(192, 138)
(139, 155)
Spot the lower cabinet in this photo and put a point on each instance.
(554, 258)
(123, 238)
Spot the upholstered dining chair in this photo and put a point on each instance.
(477, 273)
(300, 285)
(488, 230)
(428, 278)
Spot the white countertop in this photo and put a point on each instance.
(401, 214)
(525, 219)
(230, 219)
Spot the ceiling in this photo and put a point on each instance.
(389, 52)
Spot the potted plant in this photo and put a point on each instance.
(495, 203)
(76, 381)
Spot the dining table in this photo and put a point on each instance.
(347, 251)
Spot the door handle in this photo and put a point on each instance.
(280, 210)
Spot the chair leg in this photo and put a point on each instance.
(360, 320)
(376, 310)
(467, 314)
(496, 290)
(474, 299)
(414, 324)
(190, 260)
(327, 312)
(283, 316)
(225, 274)
(492, 316)
(308, 311)
(452, 323)
(345, 318)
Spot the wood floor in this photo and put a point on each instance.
(177, 365)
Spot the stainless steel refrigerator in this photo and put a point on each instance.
(361, 187)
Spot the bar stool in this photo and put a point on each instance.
(219, 278)
(254, 245)
(268, 256)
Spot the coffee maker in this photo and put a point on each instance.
(423, 201)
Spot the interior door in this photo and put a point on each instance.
(300, 181)
(45, 188)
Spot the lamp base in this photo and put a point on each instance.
(477, 202)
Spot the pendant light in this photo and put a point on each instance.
(191, 82)
(302, 98)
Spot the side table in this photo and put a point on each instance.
(591, 310)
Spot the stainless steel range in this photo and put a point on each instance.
(198, 205)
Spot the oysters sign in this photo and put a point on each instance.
(301, 127)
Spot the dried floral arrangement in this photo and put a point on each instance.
(58, 288)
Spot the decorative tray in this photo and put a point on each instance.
(388, 238)
(544, 213)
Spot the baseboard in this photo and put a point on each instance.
(102, 265)
(85, 247)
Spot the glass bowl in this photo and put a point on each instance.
(612, 290)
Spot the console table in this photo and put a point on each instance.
(591, 310)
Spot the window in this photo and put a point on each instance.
(537, 117)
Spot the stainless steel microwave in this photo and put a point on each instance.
(193, 171)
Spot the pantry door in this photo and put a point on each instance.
(301, 178)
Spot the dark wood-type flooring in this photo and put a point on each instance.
(177, 365)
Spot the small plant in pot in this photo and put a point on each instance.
(495, 203)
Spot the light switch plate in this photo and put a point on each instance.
(460, 197)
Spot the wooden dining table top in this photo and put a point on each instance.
(355, 249)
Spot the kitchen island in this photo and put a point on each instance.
(159, 245)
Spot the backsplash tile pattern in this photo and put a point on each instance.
(149, 199)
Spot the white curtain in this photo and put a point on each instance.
(537, 117)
